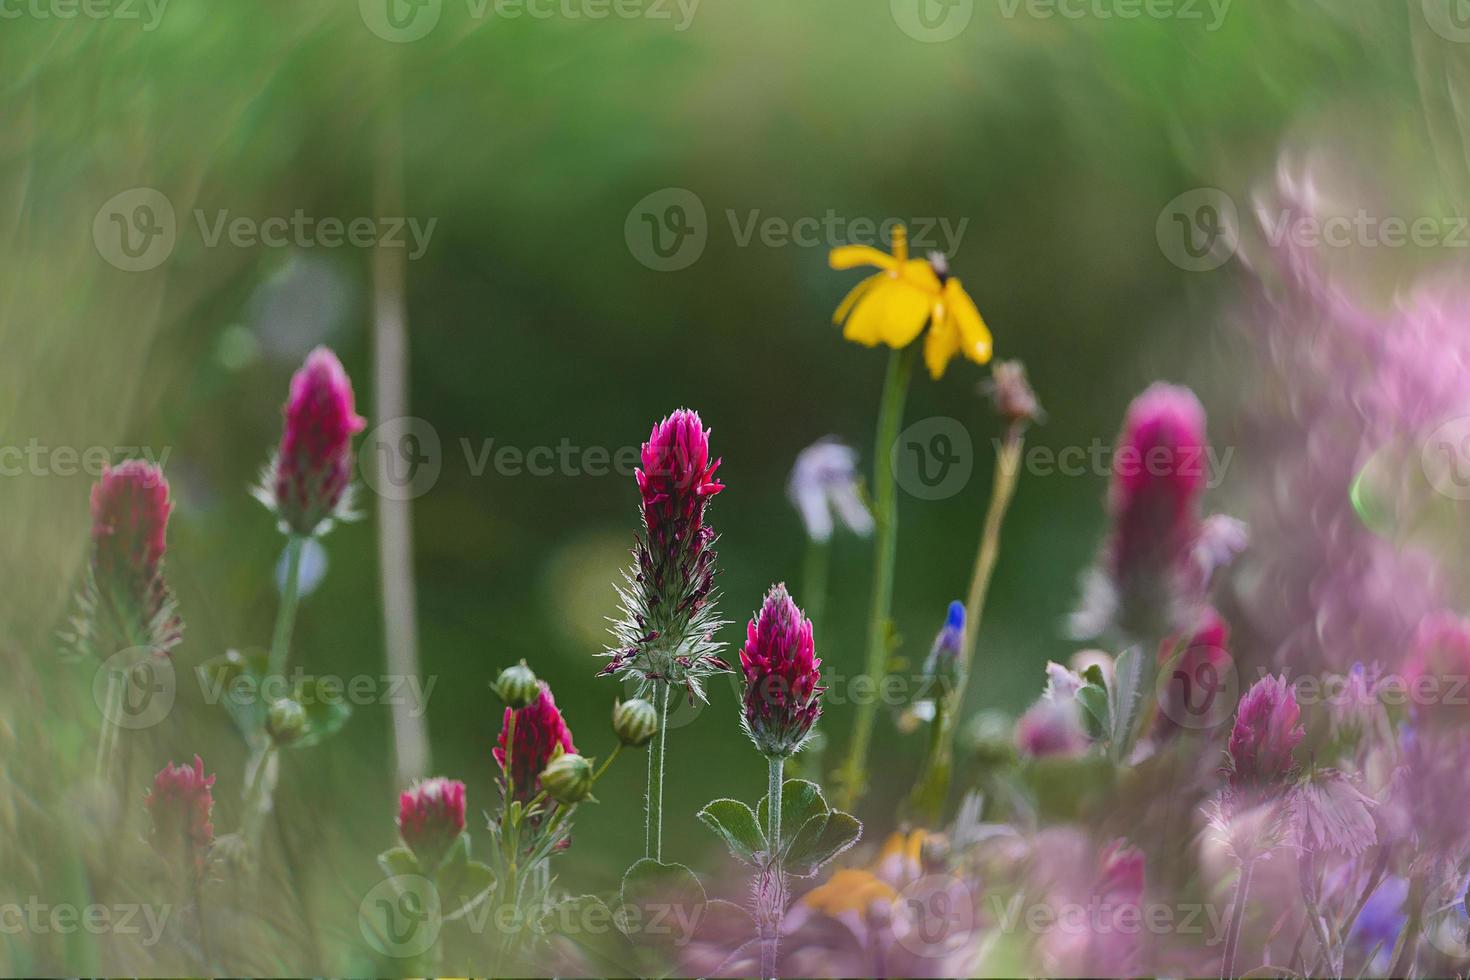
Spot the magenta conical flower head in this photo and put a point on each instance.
(539, 731)
(783, 693)
(1144, 576)
(126, 602)
(666, 633)
(431, 818)
(180, 804)
(308, 480)
(1267, 731)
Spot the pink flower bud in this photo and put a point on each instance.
(127, 603)
(180, 804)
(431, 818)
(1051, 727)
(308, 480)
(1437, 672)
(539, 731)
(1265, 734)
(782, 696)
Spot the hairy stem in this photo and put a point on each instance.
(885, 518)
(286, 613)
(653, 827)
(1236, 921)
(932, 788)
(771, 927)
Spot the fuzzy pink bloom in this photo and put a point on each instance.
(128, 603)
(539, 730)
(1051, 727)
(1096, 894)
(313, 466)
(431, 818)
(1329, 813)
(1437, 672)
(1146, 577)
(783, 693)
(1266, 732)
(180, 804)
(666, 633)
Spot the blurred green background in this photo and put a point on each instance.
(1058, 139)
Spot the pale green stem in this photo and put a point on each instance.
(603, 768)
(107, 734)
(933, 786)
(885, 518)
(1237, 920)
(772, 929)
(653, 836)
(258, 796)
(286, 614)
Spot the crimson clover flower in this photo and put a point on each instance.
(126, 602)
(783, 693)
(431, 818)
(666, 633)
(308, 481)
(180, 804)
(540, 732)
(1146, 579)
(1266, 732)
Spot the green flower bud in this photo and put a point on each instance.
(635, 722)
(286, 721)
(567, 778)
(517, 686)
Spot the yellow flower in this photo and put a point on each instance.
(856, 890)
(892, 306)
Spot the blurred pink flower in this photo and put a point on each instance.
(431, 818)
(1266, 732)
(1051, 727)
(308, 479)
(180, 804)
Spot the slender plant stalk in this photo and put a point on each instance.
(814, 582)
(1408, 943)
(854, 775)
(1237, 920)
(653, 825)
(390, 401)
(107, 734)
(286, 613)
(258, 796)
(603, 768)
(772, 928)
(932, 788)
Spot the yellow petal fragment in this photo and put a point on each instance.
(974, 334)
(850, 300)
(852, 256)
(941, 344)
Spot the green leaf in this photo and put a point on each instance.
(399, 861)
(801, 800)
(233, 680)
(736, 824)
(808, 852)
(1124, 699)
(1094, 701)
(662, 905)
(587, 922)
(327, 710)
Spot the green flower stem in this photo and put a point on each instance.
(609, 761)
(1237, 921)
(772, 930)
(814, 582)
(107, 734)
(258, 796)
(653, 826)
(932, 789)
(286, 614)
(854, 774)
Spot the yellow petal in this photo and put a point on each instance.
(941, 345)
(920, 274)
(850, 889)
(852, 256)
(850, 300)
(891, 311)
(974, 334)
